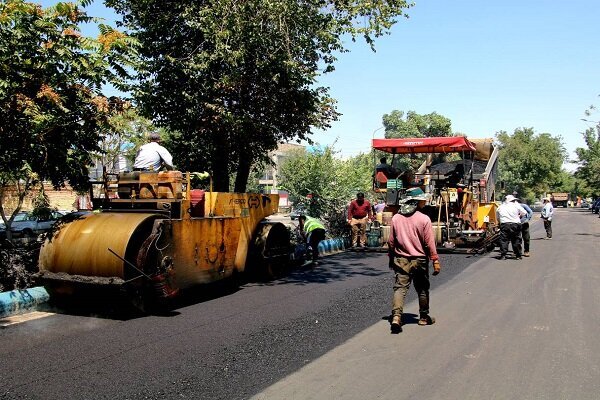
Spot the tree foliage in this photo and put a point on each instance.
(399, 124)
(236, 78)
(531, 163)
(125, 133)
(588, 160)
(325, 184)
(52, 108)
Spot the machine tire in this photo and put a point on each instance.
(269, 252)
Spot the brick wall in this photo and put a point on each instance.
(62, 199)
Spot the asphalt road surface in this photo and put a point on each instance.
(505, 330)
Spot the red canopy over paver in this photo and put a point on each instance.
(424, 145)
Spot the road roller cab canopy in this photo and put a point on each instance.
(424, 145)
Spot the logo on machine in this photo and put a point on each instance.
(253, 202)
(414, 143)
(266, 199)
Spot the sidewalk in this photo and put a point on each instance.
(20, 301)
(505, 330)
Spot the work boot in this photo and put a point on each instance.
(396, 324)
(426, 320)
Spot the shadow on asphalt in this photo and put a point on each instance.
(103, 304)
(588, 234)
(332, 268)
(338, 267)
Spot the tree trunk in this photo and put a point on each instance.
(243, 171)
(220, 164)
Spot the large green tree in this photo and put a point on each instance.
(531, 163)
(52, 109)
(588, 160)
(235, 78)
(400, 124)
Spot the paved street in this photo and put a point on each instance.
(505, 330)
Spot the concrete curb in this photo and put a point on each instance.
(331, 246)
(19, 301)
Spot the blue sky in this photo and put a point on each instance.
(487, 65)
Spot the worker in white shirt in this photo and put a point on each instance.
(509, 215)
(152, 156)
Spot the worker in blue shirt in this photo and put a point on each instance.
(525, 228)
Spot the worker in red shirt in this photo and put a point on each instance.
(411, 245)
(359, 212)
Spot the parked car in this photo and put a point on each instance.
(27, 224)
(298, 211)
(537, 206)
(596, 206)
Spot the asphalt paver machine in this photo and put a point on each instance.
(462, 203)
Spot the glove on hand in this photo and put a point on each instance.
(436, 267)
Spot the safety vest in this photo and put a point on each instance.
(311, 224)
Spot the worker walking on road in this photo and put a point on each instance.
(509, 215)
(359, 212)
(314, 232)
(411, 245)
(547, 213)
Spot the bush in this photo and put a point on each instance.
(18, 263)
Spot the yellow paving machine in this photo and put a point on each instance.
(462, 192)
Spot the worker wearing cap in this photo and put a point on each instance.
(547, 213)
(509, 215)
(411, 245)
(152, 156)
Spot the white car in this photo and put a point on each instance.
(27, 224)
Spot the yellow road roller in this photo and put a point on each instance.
(152, 235)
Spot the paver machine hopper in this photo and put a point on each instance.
(461, 207)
